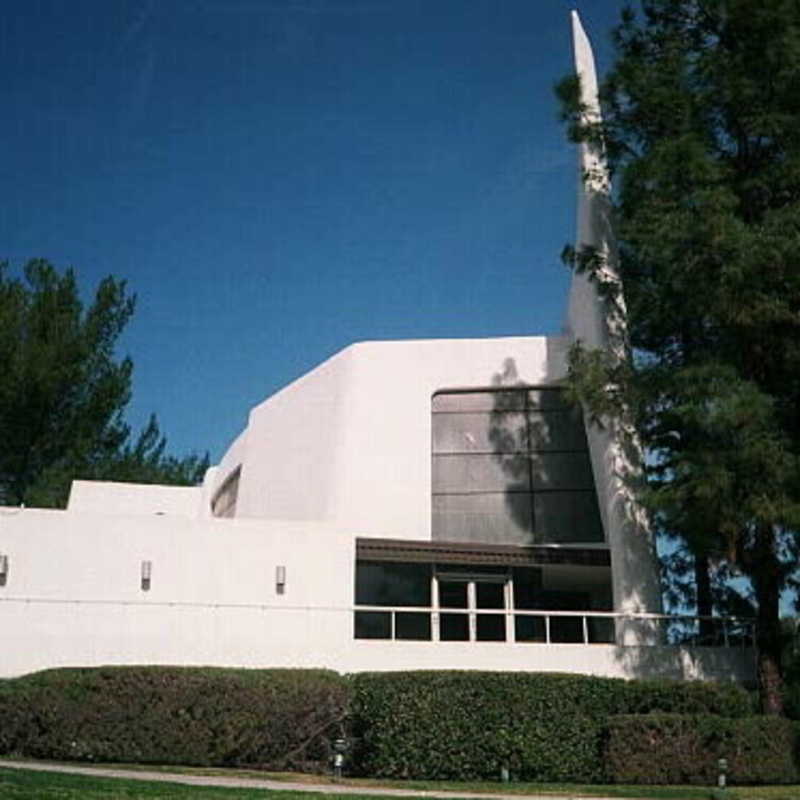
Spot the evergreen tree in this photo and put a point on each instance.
(63, 393)
(702, 131)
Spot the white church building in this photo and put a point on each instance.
(405, 505)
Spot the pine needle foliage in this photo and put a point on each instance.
(63, 391)
(701, 127)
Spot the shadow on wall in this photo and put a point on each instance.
(539, 444)
(508, 435)
(688, 663)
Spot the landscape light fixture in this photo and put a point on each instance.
(280, 579)
(722, 765)
(339, 748)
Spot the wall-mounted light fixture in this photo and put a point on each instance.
(280, 579)
(3, 569)
(147, 573)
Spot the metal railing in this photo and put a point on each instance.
(549, 627)
(424, 623)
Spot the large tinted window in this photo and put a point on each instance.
(385, 583)
(512, 467)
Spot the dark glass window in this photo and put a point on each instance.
(529, 629)
(454, 627)
(452, 594)
(527, 588)
(412, 625)
(386, 583)
(475, 602)
(373, 625)
(490, 595)
(490, 628)
(511, 467)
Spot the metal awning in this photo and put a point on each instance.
(420, 551)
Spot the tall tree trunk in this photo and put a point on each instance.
(705, 604)
(767, 584)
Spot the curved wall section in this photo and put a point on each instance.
(350, 442)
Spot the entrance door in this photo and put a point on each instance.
(466, 602)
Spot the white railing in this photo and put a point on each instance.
(551, 627)
(508, 625)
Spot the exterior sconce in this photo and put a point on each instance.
(280, 579)
(3, 569)
(147, 572)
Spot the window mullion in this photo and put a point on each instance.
(472, 604)
(509, 604)
(434, 606)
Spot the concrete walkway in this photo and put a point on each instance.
(236, 782)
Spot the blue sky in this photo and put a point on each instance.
(276, 180)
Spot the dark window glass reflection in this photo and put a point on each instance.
(566, 630)
(490, 595)
(527, 587)
(490, 628)
(373, 625)
(385, 583)
(453, 594)
(529, 629)
(454, 627)
(412, 625)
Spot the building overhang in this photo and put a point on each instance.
(421, 551)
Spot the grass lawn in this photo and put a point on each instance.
(19, 784)
(22, 784)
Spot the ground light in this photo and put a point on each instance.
(722, 766)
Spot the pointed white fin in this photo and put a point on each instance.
(587, 314)
(598, 324)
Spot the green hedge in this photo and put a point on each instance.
(456, 725)
(172, 715)
(542, 727)
(684, 748)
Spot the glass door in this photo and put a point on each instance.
(490, 595)
(454, 594)
(464, 601)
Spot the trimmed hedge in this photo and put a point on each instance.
(542, 727)
(684, 748)
(454, 725)
(688, 697)
(275, 719)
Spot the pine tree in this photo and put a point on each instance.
(701, 125)
(63, 393)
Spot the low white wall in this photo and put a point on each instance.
(73, 597)
(73, 591)
(42, 635)
(109, 497)
(700, 663)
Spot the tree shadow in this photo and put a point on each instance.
(539, 443)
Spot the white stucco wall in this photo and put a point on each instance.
(350, 442)
(73, 597)
(107, 497)
(73, 592)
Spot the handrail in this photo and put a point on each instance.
(728, 629)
